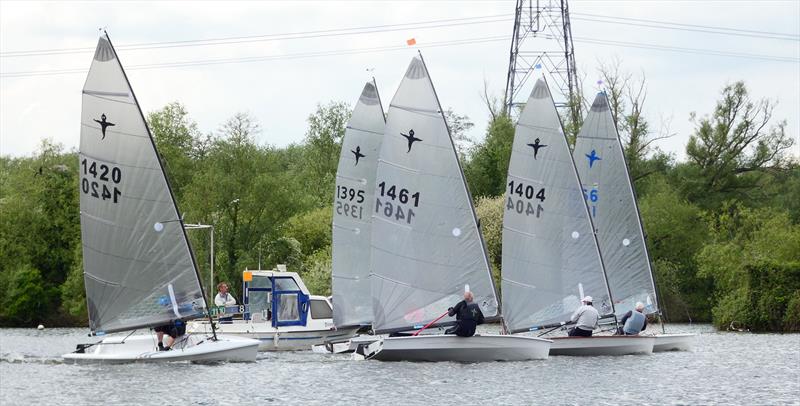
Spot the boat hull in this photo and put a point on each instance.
(479, 348)
(276, 339)
(673, 342)
(602, 345)
(142, 348)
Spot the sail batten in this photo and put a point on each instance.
(352, 220)
(138, 266)
(550, 254)
(426, 244)
(601, 165)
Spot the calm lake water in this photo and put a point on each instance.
(724, 368)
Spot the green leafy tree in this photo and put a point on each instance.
(323, 145)
(488, 166)
(675, 232)
(731, 147)
(27, 298)
(754, 261)
(176, 136)
(490, 214)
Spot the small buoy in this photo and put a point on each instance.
(40, 327)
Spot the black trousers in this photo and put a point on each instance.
(579, 332)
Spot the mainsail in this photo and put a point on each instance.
(550, 254)
(426, 245)
(138, 267)
(609, 193)
(352, 220)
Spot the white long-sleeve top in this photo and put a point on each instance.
(226, 300)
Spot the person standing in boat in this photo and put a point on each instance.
(633, 322)
(468, 316)
(585, 319)
(225, 299)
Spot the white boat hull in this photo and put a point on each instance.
(673, 342)
(602, 345)
(143, 348)
(290, 338)
(479, 348)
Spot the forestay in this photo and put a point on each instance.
(609, 193)
(550, 254)
(138, 267)
(425, 240)
(355, 192)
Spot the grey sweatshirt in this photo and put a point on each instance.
(586, 317)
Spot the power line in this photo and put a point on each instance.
(264, 58)
(452, 22)
(688, 27)
(352, 51)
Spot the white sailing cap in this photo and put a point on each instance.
(586, 299)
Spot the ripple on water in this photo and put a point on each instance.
(737, 368)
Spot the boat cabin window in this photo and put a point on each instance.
(288, 310)
(320, 309)
(286, 284)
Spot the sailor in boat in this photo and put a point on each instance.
(585, 319)
(224, 298)
(173, 330)
(633, 322)
(468, 316)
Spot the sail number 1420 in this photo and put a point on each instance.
(103, 182)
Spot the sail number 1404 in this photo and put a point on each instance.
(521, 196)
(103, 182)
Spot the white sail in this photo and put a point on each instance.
(609, 194)
(550, 254)
(138, 267)
(426, 245)
(352, 218)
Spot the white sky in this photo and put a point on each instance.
(282, 92)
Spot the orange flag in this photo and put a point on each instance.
(412, 41)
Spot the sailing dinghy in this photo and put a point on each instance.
(352, 218)
(550, 255)
(139, 269)
(426, 244)
(609, 193)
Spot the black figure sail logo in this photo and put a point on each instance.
(593, 157)
(358, 154)
(410, 137)
(104, 124)
(536, 147)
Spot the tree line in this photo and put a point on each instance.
(723, 226)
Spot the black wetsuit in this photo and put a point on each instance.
(468, 316)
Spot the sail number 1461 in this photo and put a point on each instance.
(395, 203)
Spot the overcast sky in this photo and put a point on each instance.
(279, 79)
